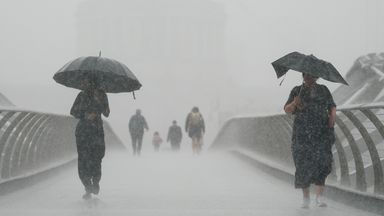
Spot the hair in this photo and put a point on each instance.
(315, 77)
(195, 109)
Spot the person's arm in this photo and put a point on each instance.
(106, 110)
(202, 124)
(331, 108)
(187, 123)
(130, 124)
(76, 107)
(293, 101)
(292, 106)
(180, 134)
(332, 117)
(145, 124)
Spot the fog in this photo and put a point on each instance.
(212, 54)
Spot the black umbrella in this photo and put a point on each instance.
(307, 64)
(111, 75)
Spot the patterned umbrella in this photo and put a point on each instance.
(111, 75)
(307, 64)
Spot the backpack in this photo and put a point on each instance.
(195, 119)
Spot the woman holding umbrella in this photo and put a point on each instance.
(88, 107)
(313, 135)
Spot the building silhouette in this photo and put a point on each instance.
(176, 47)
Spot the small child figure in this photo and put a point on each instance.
(156, 141)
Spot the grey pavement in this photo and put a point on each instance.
(170, 185)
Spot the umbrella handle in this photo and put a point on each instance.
(301, 88)
(134, 97)
(282, 81)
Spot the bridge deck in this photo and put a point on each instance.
(167, 184)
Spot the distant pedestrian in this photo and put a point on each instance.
(195, 127)
(313, 135)
(137, 125)
(174, 136)
(156, 141)
(88, 107)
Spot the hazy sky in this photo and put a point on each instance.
(38, 37)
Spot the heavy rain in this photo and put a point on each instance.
(165, 61)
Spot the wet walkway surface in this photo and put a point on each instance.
(170, 185)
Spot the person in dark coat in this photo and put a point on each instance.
(174, 136)
(88, 107)
(195, 127)
(137, 124)
(313, 135)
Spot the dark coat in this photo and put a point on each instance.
(84, 104)
(137, 124)
(312, 139)
(174, 134)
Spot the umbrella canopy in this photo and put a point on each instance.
(111, 75)
(307, 64)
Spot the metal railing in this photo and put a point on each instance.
(358, 149)
(32, 142)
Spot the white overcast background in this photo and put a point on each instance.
(38, 37)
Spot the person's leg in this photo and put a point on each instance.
(83, 170)
(173, 145)
(134, 141)
(83, 166)
(306, 193)
(319, 189)
(96, 167)
(139, 143)
(199, 144)
(306, 198)
(195, 145)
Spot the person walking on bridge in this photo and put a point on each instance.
(313, 135)
(90, 103)
(174, 136)
(195, 127)
(156, 141)
(137, 124)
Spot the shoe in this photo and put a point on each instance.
(305, 204)
(87, 196)
(320, 202)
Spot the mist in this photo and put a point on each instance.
(212, 54)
